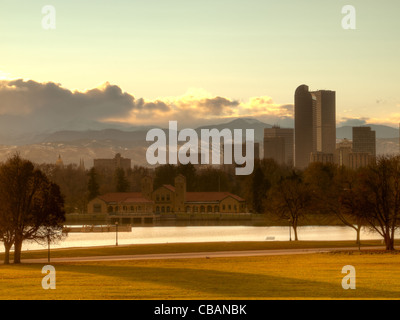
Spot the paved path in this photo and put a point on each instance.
(191, 255)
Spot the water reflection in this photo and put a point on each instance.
(173, 234)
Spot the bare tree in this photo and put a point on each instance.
(379, 197)
(349, 210)
(290, 199)
(30, 205)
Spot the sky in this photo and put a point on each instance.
(147, 62)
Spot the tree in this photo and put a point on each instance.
(32, 207)
(189, 172)
(7, 235)
(378, 192)
(93, 185)
(259, 187)
(290, 199)
(350, 208)
(331, 187)
(121, 183)
(165, 174)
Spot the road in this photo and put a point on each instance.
(193, 255)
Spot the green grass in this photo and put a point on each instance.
(311, 276)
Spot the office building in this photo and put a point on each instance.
(274, 148)
(111, 164)
(303, 126)
(278, 144)
(315, 125)
(364, 140)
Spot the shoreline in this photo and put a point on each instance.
(198, 247)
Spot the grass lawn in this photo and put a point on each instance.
(310, 276)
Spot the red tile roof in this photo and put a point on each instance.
(136, 197)
(168, 186)
(210, 196)
(128, 197)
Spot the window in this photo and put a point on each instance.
(209, 209)
(168, 197)
(216, 208)
(96, 207)
(157, 197)
(187, 209)
(110, 209)
(202, 209)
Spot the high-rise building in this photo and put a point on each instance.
(324, 121)
(303, 126)
(360, 159)
(278, 144)
(315, 124)
(364, 140)
(322, 157)
(274, 148)
(343, 150)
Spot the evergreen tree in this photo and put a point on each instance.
(121, 182)
(93, 185)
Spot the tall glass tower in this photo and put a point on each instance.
(315, 124)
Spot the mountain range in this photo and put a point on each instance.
(73, 145)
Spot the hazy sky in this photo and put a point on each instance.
(250, 54)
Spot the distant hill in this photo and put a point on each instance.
(74, 145)
(243, 124)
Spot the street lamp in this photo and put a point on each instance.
(116, 233)
(48, 245)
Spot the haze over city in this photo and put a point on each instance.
(135, 63)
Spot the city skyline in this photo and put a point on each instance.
(147, 63)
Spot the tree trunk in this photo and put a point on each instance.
(389, 242)
(295, 232)
(358, 240)
(390, 245)
(7, 248)
(17, 251)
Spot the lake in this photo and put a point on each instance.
(175, 234)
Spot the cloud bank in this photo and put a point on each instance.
(30, 106)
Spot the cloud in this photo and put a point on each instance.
(198, 107)
(30, 106)
(352, 122)
(36, 105)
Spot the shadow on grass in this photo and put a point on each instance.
(225, 284)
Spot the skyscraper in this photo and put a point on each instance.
(278, 144)
(274, 148)
(315, 124)
(324, 121)
(364, 140)
(303, 126)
